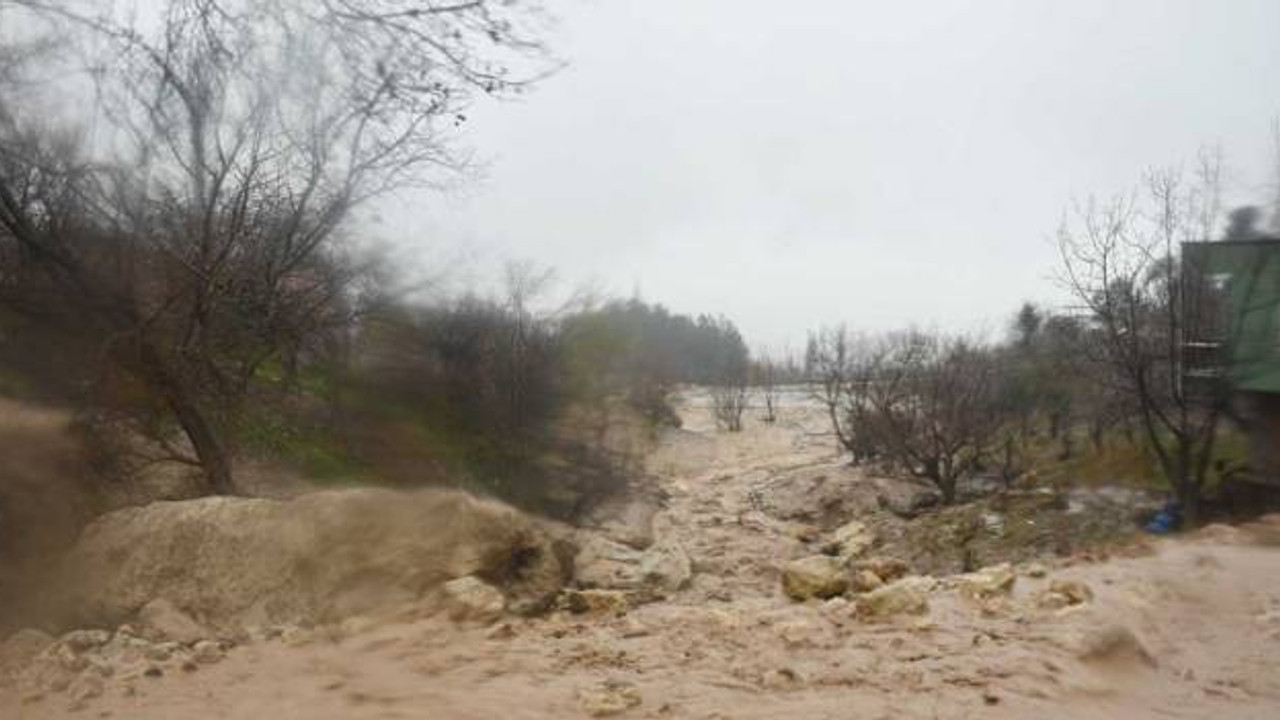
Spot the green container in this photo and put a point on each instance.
(1231, 304)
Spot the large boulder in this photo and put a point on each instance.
(604, 563)
(819, 576)
(228, 563)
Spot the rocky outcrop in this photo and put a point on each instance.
(819, 576)
(229, 563)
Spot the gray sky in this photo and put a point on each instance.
(881, 163)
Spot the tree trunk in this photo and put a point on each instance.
(213, 456)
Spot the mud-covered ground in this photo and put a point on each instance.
(1186, 627)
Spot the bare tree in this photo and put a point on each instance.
(729, 401)
(934, 406)
(1120, 260)
(202, 232)
(829, 370)
(765, 372)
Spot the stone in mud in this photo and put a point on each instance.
(886, 568)
(470, 598)
(207, 652)
(904, 498)
(853, 539)
(85, 687)
(1064, 593)
(84, 640)
(987, 583)
(819, 576)
(1035, 570)
(161, 619)
(864, 581)
(603, 563)
(610, 698)
(908, 596)
(611, 602)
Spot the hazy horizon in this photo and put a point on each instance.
(872, 164)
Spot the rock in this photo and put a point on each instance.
(1063, 593)
(908, 596)
(886, 568)
(609, 698)
(470, 598)
(159, 653)
(207, 652)
(987, 583)
(814, 495)
(85, 687)
(611, 602)
(22, 647)
(297, 636)
(1035, 570)
(666, 566)
(314, 559)
(84, 640)
(603, 563)
(161, 620)
(865, 581)
(626, 518)
(853, 539)
(836, 610)
(818, 576)
(904, 498)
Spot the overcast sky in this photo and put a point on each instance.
(880, 163)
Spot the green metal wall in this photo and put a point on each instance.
(1232, 292)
